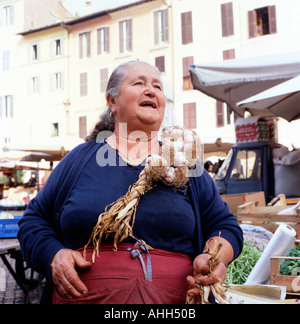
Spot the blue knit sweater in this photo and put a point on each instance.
(65, 211)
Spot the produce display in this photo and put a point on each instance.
(239, 270)
(291, 267)
(17, 197)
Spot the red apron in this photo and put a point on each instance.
(118, 278)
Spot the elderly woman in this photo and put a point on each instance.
(177, 224)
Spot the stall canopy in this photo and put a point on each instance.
(282, 100)
(53, 149)
(232, 81)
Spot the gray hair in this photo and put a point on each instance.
(106, 122)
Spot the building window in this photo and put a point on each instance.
(55, 131)
(189, 116)
(57, 46)
(160, 63)
(83, 85)
(7, 15)
(186, 27)
(103, 40)
(125, 36)
(34, 52)
(161, 27)
(229, 54)
(103, 80)
(85, 45)
(5, 60)
(82, 127)
(227, 19)
(57, 81)
(187, 82)
(34, 85)
(262, 21)
(6, 107)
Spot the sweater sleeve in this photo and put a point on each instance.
(216, 218)
(38, 228)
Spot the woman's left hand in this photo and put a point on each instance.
(201, 274)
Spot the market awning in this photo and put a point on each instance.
(282, 100)
(232, 81)
(56, 147)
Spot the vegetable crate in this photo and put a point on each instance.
(292, 283)
(9, 227)
(267, 217)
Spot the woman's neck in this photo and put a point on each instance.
(134, 147)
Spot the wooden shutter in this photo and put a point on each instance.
(186, 27)
(166, 25)
(229, 54)
(106, 39)
(160, 63)
(99, 41)
(82, 127)
(121, 40)
(252, 23)
(129, 35)
(186, 62)
(81, 46)
(220, 114)
(272, 19)
(103, 79)
(227, 19)
(88, 44)
(190, 116)
(156, 28)
(83, 84)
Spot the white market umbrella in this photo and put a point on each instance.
(282, 100)
(232, 81)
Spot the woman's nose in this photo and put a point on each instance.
(150, 91)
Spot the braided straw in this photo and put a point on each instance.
(116, 219)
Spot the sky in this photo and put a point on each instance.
(79, 6)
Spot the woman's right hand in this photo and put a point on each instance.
(64, 275)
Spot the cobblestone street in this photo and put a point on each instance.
(12, 293)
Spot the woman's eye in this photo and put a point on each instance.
(139, 83)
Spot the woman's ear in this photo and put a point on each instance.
(111, 103)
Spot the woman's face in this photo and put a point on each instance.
(141, 101)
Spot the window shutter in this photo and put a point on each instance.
(229, 54)
(129, 36)
(190, 116)
(103, 79)
(186, 27)
(88, 44)
(166, 26)
(107, 39)
(99, 42)
(156, 29)
(81, 46)
(227, 19)
(220, 114)
(82, 127)
(62, 45)
(160, 63)
(272, 20)
(83, 84)
(121, 40)
(11, 108)
(11, 14)
(252, 23)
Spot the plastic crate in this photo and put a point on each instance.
(9, 227)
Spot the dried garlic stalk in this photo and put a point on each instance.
(217, 289)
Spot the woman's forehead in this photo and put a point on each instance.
(142, 70)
